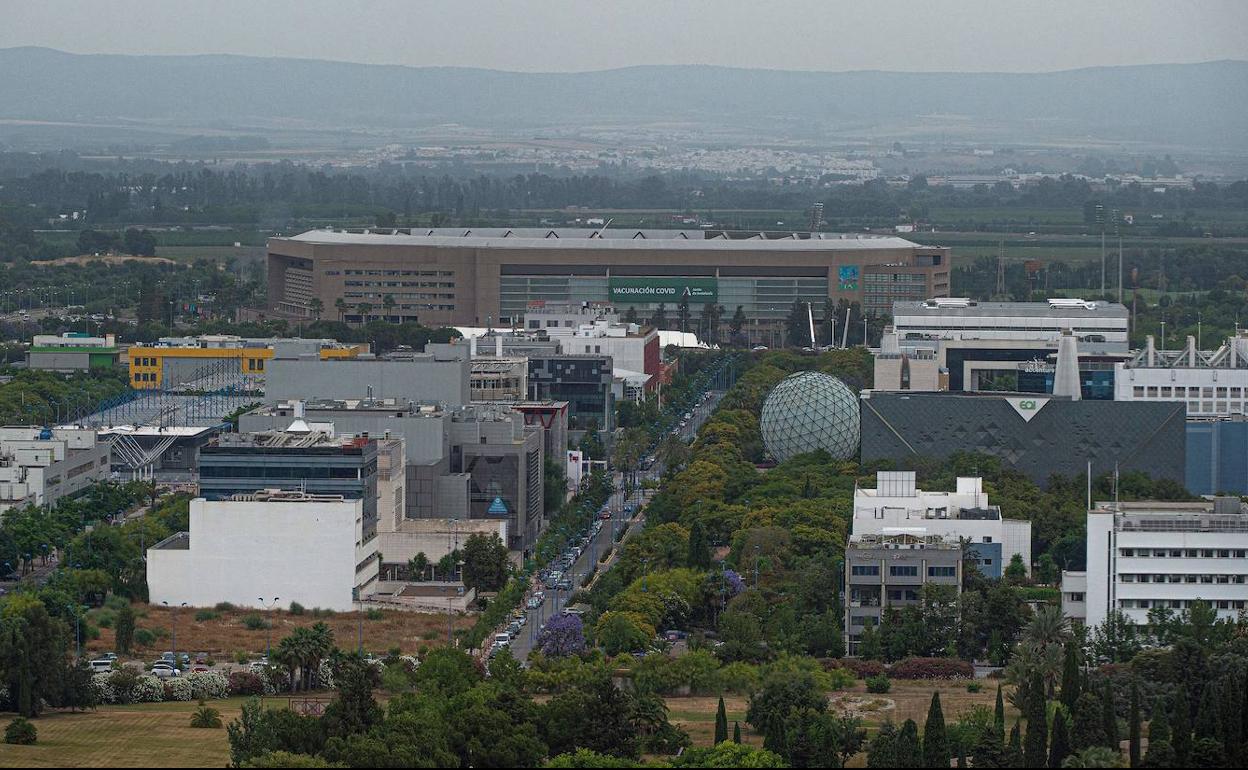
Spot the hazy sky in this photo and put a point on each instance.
(562, 35)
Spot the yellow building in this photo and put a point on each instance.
(174, 361)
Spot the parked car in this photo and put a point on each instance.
(101, 665)
(164, 670)
(502, 640)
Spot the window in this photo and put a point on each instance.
(942, 571)
(865, 570)
(987, 538)
(903, 571)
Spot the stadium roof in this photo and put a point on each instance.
(938, 308)
(604, 238)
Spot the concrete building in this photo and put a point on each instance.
(1162, 555)
(896, 507)
(305, 548)
(1038, 435)
(72, 352)
(306, 457)
(499, 379)
(1217, 455)
(419, 377)
(584, 381)
(39, 466)
(1210, 383)
(185, 361)
(491, 276)
(890, 571)
(434, 538)
(964, 345)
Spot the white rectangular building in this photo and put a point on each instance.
(1213, 383)
(298, 547)
(39, 465)
(896, 506)
(1167, 555)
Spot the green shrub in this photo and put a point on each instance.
(317, 612)
(253, 622)
(144, 637)
(116, 602)
(879, 684)
(20, 732)
(206, 717)
(375, 615)
(395, 679)
(205, 615)
(105, 618)
(224, 607)
(296, 608)
(241, 658)
(974, 687)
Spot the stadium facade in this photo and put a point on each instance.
(482, 277)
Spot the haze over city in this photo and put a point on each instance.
(642, 384)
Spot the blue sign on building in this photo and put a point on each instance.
(497, 508)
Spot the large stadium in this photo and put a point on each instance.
(478, 277)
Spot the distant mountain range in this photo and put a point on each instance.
(1181, 104)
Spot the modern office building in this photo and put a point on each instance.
(308, 457)
(963, 345)
(72, 352)
(418, 377)
(890, 571)
(897, 506)
(482, 277)
(196, 362)
(584, 381)
(1217, 455)
(1211, 383)
(1038, 435)
(269, 548)
(39, 466)
(1162, 555)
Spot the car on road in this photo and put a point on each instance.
(502, 640)
(533, 603)
(564, 584)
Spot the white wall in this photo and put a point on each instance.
(240, 551)
(1153, 380)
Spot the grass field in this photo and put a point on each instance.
(159, 735)
(139, 735)
(225, 635)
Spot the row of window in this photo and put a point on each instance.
(1178, 391)
(1202, 578)
(407, 284)
(144, 361)
(1179, 604)
(901, 570)
(1183, 553)
(144, 376)
(277, 472)
(442, 273)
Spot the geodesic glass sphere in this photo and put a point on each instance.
(809, 411)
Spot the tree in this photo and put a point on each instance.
(869, 644)
(356, 710)
(1071, 677)
(797, 325)
(1059, 741)
(34, 655)
(340, 305)
(1109, 716)
(882, 751)
(682, 313)
(721, 722)
(1096, 756)
(736, 732)
(417, 567)
(620, 632)
(699, 550)
(388, 303)
(1034, 749)
(659, 319)
(447, 672)
(562, 635)
(1088, 727)
(1133, 723)
(206, 717)
(728, 755)
(1014, 748)
(317, 307)
(20, 732)
(123, 629)
(737, 325)
(1016, 571)
(909, 751)
(484, 562)
(1160, 748)
(935, 739)
(998, 716)
(1182, 728)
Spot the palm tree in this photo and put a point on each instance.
(317, 307)
(340, 305)
(1095, 756)
(387, 302)
(1048, 627)
(365, 309)
(206, 717)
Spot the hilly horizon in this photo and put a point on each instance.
(1201, 104)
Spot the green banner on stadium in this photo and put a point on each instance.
(699, 291)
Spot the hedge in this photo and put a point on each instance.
(931, 668)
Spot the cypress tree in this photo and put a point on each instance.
(1014, 749)
(1070, 677)
(1209, 713)
(1109, 717)
(699, 552)
(1087, 729)
(1181, 728)
(909, 750)
(1059, 743)
(1133, 724)
(1232, 736)
(935, 738)
(721, 723)
(1160, 748)
(736, 731)
(882, 751)
(989, 750)
(998, 716)
(961, 761)
(1034, 744)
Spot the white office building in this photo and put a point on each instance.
(1148, 555)
(1213, 383)
(39, 465)
(897, 507)
(300, 547)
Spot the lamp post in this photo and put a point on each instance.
(176, 661)
(268, 633)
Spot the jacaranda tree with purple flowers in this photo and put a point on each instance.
(563, 635)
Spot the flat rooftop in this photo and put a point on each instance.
(604, 238)
(1010, 309)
